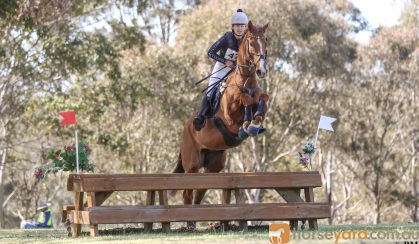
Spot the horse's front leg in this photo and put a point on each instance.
(247, 102)
(262, 109)
(255, 126)
(228, 107)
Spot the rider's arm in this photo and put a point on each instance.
(217, 46)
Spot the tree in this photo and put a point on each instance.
(43, 46)
(385, 82)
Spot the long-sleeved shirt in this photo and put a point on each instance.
(227, 46)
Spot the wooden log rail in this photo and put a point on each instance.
(98, 187)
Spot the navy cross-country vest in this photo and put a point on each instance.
(227, 46)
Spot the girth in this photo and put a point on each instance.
(230, 139)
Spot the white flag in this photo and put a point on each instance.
(326, 123)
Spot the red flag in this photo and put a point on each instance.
(69, 118)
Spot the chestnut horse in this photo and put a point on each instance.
(233, 121)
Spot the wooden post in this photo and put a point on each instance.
(151, 198)
(309, 196)
(164, 202)
(291, 195)
(78, 206)
(91, 202)
(226, 199)
(240, 200)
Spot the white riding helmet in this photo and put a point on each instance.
(239, 18)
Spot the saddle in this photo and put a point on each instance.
(214, 101)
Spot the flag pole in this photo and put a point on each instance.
(326, 124)
(315, 147)
(317, 136)
(77, 150)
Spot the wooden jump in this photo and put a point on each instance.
(98, 187)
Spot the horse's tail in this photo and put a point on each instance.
(179, 169)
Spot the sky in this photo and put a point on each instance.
(378, 13)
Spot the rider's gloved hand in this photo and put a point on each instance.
(230, 64)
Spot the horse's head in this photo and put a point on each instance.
(256, 47)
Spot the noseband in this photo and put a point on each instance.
(250, 64)
(250, 55)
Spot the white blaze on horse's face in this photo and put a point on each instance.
(261, 68)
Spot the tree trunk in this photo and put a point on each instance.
(414, 210)
(346, 195)
(2, 166)
(377, 217)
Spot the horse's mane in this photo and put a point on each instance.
(242, 41)
(245, 34)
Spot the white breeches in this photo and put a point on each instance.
(217, 76)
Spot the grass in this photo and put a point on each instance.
(59, 235)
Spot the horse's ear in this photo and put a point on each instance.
(250, 26)
(265, 27)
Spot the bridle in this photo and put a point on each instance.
(250, 55)
(250, 64)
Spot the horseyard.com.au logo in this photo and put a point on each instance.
(279, 233)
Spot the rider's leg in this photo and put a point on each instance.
(199, 120)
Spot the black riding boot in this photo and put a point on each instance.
(199, 120)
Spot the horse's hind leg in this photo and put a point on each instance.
(187, 199)
(188, 194)
(190, 157)
(214, 162)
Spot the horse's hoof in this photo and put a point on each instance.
(253, 129)
(243, 134)
(191, 225)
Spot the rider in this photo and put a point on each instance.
(227, 46)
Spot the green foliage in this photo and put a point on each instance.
(66, 160)
(8, 9)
